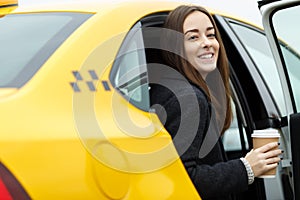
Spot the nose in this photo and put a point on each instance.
(206, 43)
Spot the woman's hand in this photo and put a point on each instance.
(263, 158)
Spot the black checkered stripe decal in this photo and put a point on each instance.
(90, 82)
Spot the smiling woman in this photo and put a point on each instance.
(199, 55)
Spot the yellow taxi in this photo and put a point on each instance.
(61, 116)
(76, 121)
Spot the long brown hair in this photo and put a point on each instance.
(170, 40)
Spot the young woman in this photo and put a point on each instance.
(195, 106)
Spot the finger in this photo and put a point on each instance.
(271, 166)
(267, 147)
(273, 153)
(273, 160)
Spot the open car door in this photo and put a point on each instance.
(281, 23)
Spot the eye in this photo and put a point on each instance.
(211, 35)
(193, 37)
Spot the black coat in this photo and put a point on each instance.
(186, 115)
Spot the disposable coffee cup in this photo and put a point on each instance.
(262, 137)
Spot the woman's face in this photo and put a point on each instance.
(200, 44)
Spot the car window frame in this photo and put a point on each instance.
(268, 9)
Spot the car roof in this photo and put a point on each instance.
(96, 6)
(88, 5)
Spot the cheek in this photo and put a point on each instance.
(216, 46)
(186, 47)
(189, 48)
(187, 51)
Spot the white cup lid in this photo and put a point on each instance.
(267, 133)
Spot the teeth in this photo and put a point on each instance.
(206, 56)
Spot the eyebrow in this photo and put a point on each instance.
(196, 30)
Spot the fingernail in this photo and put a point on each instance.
(282, 151)
(278, 143)
(281, 158)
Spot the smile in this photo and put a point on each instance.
(206, 56)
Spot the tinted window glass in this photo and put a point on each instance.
(28, 40)
(257, 46)
(129, 74)
(231, 138)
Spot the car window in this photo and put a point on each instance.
(129, 73)
(232, 136)
(257, 46)
(31, 38)
(290, 46)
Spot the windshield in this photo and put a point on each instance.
(28, 40)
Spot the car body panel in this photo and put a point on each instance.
(57, 162)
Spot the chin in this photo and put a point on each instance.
(208, 68)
